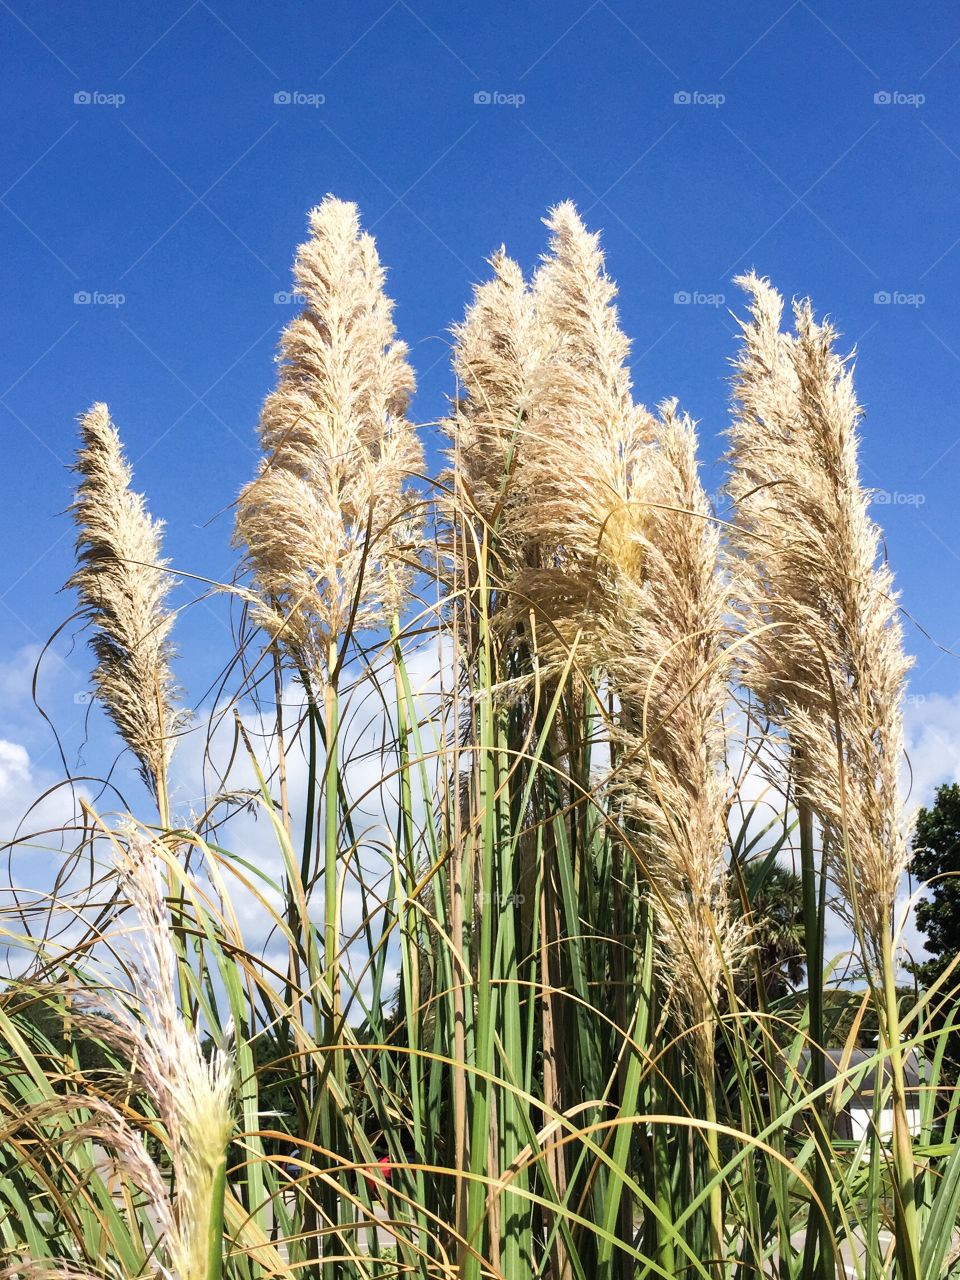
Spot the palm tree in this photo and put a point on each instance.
(775, 897)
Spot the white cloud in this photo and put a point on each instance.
(14, 770)
(16, 676)
(210, 760)
(32, 804)
(36, 818)
(932, 724)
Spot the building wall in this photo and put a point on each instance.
(860, 1121)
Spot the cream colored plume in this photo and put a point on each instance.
(548, 441)
(193, 1095)
(498, 348)
(590, 440)
(667, 649)
(328, 522)
(830, 668)
(123, 585)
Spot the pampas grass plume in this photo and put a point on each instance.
(327, 523)
(830, 668)
(123, 583)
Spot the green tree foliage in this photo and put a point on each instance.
(936, 862)
(776, 912)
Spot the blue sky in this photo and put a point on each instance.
(146, 156)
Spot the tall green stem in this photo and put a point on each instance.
(331, 928)
(485, 992)
(813, 946)
(908, 1233)
(215, 1221)
(331, 807)
(410, 947)
(713, 1152)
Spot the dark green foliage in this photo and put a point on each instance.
(58, 1036)
(775, 899)
(936, 862)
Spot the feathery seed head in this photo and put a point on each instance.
(592, 439)
(830, 669)
(549, 445)
(193, 1095)
(327, 519)
(496, 352)
(584, 467)
(666, 649)
(123, 584)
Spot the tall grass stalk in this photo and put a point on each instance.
(831, 673)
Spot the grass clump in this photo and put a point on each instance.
(511, 992)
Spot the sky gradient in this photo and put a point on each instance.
(158, 162)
